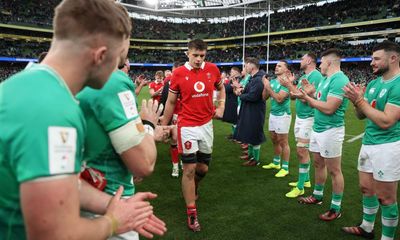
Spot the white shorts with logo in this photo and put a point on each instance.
(382, 160)
(328, 143)
(303, 128)
(193, 139)
(279, 124)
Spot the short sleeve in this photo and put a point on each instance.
(394, 96)
(51, 145)
(315, 78)
(115, 104)
(174, 83)
(368, 89)
(218, 79)
(284, 89)
(151, 85)
(336, 87)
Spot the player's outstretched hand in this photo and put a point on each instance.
(301, 94)
(154, 225)
(266, 82)
(308, 88)
(354, 92)
(162, 133)
(151, 111)
(129, 214)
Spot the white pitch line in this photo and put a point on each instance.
(355, 138)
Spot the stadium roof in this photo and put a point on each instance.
(208, 8)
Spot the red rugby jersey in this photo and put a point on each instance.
(196, 89)
(156, 86)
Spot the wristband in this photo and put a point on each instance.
(145, 122)
(149, 129)
(113, 224)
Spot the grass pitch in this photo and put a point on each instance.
(239, 202)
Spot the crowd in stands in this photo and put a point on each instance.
(22, 49)
(10, 48)
(40, 12)
(6, 71)
(357, 72)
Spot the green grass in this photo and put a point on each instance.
(249, 202)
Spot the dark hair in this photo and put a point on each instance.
(253, 60)
(177, 64)
(332, 51)
(286, 63)
(197, 44)
(387, 46)
(313, 56)
(288, 66)
(41, 56)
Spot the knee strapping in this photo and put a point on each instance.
(302, 145)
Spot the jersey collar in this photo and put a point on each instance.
(187, 65)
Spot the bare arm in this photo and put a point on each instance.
(359, 114)
(51, 209)
(329, 107)
(169, 108)
(385, 119)
(86, 196)
(141, 158)
(219, 112)
(280, 97)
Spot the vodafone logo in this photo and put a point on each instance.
(319, 95)
(373, 103)
(199, 87)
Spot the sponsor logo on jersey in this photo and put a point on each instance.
(382, 93)
(373, 103)
(319, 95)
(199, 86)
(372, 90)
(64, 136)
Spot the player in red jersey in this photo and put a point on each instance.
(195, 82)
(156, 87)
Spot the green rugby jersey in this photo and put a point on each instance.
(105, 110)
(42, 135)
(303, 110)
(378, 94)
(331, 87)
(279, 109)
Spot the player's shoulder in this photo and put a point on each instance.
(374, 81)
(316, 74)
(340, 78)
(210, 66)
(180, 70)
